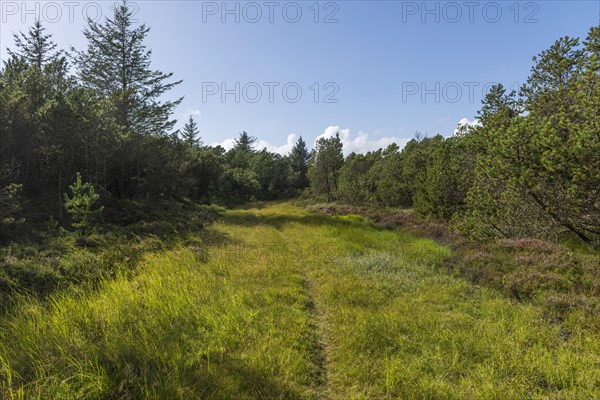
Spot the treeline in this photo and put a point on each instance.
(530, 168)
(101, 113)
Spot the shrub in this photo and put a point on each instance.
(81, 205)
(10, 207)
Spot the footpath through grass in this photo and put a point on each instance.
(291, 305)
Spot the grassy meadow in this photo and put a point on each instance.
(274, 302)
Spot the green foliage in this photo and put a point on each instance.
(325, 165)
(117, 65)
(391, 189)
(430, 174)
(244, 143)
(528, 168)
(81, 204)
(299, 158)
(10, 204)
(35, 47)
(239, 184)
(356, 184)
(537, 172)
(191, 134)
(10, 199)
(273, 174)
(115, 130)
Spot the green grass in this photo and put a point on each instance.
(55, 259)
(291, 305)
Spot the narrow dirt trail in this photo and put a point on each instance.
(281, 246)
(319, 342)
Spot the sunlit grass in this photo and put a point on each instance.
(293, 305)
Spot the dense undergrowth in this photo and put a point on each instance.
(566, 282)
(48, 258)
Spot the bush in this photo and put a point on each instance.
(81, 205)
(10, 206)
(531, 269)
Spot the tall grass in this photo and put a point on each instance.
(292, 305)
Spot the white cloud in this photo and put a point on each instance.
(227, 144)
(466, 122)
(284, 149)
(362, 142)
(191, 112)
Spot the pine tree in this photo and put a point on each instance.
(81, 205)
(497, 101)
(190, 133)
(43, 68)
(298, 159)
(391, 188)
(35, 47)
(538, 174)
(355, 185)
(563, 163)
(117, 64)
(245, 143)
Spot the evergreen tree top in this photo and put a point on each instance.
(191, 134)
(245, 143)
(117, 65)
(35, 47)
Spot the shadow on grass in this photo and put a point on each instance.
(226, 378)
(251, 383)
(69, 259)
(278, 221)
(408, 245)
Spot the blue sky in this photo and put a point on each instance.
(378, 71)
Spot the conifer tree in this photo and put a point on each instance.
(35, 47)
(117, 65)
(81, 205)
(191, 134)
(298, 159)
(245, 143)
(41, 68)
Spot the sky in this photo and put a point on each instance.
(375, 71)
